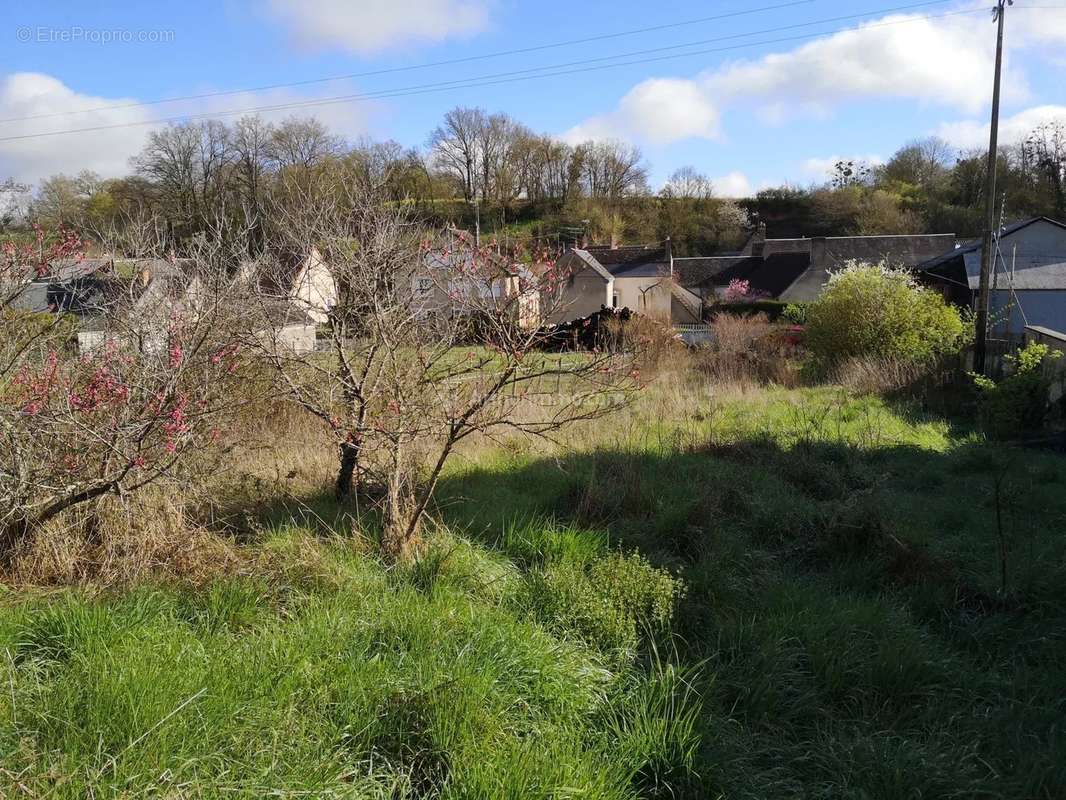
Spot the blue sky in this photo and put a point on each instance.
(761, 112)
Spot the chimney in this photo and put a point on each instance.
(758, 241)
(670, 254)
(818, 254)
(614, 240)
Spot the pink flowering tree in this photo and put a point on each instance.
(143, 403)
(433, 340)
(740, 291)
(737, 291)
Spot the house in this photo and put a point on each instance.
(456, 275)
(1028, 282)
(796, 270)
(83, 288)
(640, 278)
(68, 286)
(306, 281)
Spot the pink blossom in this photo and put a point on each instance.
(177, 355)
(737, 290)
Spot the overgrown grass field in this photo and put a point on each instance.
(722, 592)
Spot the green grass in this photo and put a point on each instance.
(843, 593)
(345, 679)
(783, 594)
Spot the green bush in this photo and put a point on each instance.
(795, 313)
(773, 309)
(607, 604)
(869, 310)
(1018, 403)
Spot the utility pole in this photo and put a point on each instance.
(981, 338)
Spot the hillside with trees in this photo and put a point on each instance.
(480, 169)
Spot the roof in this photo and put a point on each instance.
(641, 270)
(776, 246)
(772, 274)
(592, 263)
(974, 245)
(699, 270)
(1034, 271)
(907, 250)
(73, 268)
(834, 252)
(275, 314)
(32, 296)
(631, 254)
(626, 262)
(1014, 227)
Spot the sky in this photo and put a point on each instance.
(752, 94)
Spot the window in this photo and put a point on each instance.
(615, 300)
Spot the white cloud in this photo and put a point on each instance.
(942, 61)
(973, 134)
(1047, 26)
(372, 26)
(107, 152)
(733, 185)
(821, 167)
(26, 94)
(659, 111)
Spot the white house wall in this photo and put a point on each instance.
(584, 293)
(649, 296)
(314, 290)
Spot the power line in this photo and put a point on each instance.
(401, 90)
(491, 79)
(425, 65)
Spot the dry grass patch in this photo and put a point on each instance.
(122, 543)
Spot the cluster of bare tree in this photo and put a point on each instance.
(187, 172)
(492, 157)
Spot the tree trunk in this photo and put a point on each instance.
(400, 526)
(348, 476)
(11, 536)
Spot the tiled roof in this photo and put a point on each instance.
(590, 261)
(834, 252)
(778, 246)
(700, 270)
(771, 275)
(617, 256)
(641, 270)
(1030, 271)
(32, 296)
(626, 262)
(909, 251)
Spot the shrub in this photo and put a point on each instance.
(795, 313)
(607, 604)
(1019, 402)
(773, 309)
(876, 375)
(876, 311)
(655, 343)
(746, 349)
